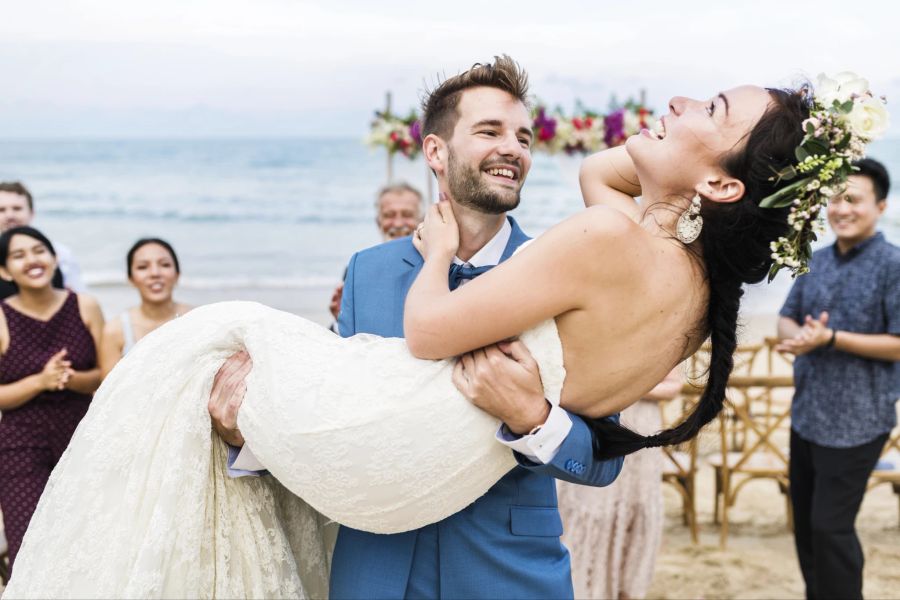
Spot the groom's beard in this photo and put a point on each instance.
(469, 189)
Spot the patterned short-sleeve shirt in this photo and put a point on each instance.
(843, 400)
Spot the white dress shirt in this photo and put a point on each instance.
(540, 447)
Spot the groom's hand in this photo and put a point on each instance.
(226, 396)
(504, 381)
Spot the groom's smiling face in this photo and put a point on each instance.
(489, 154)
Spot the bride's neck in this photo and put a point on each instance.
(660, 211)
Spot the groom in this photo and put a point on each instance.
(506, 544)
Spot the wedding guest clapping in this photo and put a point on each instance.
(153, 270)
(842, 322)
(48, 371)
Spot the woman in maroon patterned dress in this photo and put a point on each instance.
(48, 371)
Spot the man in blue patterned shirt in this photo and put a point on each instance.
(842, 321)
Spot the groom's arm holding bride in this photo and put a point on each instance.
(504, 381)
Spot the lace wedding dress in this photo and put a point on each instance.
(355, 431)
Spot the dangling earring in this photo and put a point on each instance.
(690, 222)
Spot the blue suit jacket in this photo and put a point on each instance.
(505, 544)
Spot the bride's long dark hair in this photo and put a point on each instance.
(735, 250)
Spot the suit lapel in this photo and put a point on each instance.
(410, 255)
(516, 238)
(412, 261)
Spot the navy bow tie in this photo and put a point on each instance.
(459, 273)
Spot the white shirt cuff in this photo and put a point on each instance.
(540, 447)
(247, 461)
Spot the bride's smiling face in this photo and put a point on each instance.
(695, 135)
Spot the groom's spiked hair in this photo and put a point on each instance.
(439, 108)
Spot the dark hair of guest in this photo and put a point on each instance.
(16, 187)
(874, 170)
(31, 232)
(733, 249)
(129, 259)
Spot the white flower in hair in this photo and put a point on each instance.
(844, 117)
(842, 87)
(869, 117)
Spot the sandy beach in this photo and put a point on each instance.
(759, 560)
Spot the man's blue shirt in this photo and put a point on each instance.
(843, 400)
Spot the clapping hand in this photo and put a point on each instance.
(814, 334)
(57, 372)
(438, 235)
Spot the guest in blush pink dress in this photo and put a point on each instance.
(613, 534)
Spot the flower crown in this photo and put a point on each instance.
(844, 117)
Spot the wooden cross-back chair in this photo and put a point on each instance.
(760, 412)
(888, 469)
(757, 410)
(747, 359)
(680, 462)
(776, 362)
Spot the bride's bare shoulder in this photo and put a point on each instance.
(607, 218)
(603, 227)
(598, 239)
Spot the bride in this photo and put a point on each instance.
(370, 432)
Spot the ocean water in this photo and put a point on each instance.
(269, 219)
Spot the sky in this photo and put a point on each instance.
(257, 68)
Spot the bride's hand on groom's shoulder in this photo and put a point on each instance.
(437, 237)
(227, 394)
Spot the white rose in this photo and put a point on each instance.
(869, 118)
(839, 88)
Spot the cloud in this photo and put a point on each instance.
(329, 61)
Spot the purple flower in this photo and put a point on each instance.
(615, 127)
(545, 126)
(415, 131)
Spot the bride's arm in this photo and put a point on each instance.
(556, 274)
(608, 178)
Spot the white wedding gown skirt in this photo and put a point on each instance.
(353, 430)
